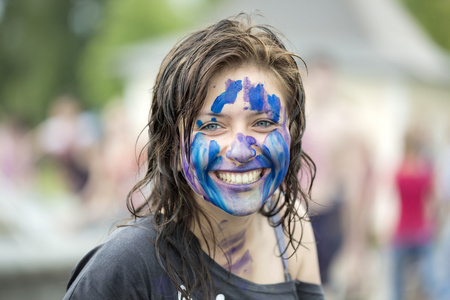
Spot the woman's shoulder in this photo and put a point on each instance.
(130, 241)
(123, 264)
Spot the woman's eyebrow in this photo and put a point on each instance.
(268, 112)
(220, 115)
(271, 113)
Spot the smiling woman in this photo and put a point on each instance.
(226, 215)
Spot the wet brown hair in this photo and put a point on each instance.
(178, 96)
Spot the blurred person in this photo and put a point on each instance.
(343, 187)
(414, 231)
(225, 216)
(65, 140)
(16, 157)
(112, 169)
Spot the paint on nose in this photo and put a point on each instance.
(241, 149)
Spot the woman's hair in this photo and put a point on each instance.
(178, 95)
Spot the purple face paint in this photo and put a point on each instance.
(241, 150)
(256, 165)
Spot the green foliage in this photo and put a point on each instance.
(434, 16)
(125, 22)
(36, 50)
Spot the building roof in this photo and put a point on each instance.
(371, 36)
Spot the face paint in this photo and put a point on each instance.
(239, 176)
(229, 96)
(254, 94)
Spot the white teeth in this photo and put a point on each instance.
(244, 178)
(239, 178)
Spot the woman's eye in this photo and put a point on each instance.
(264, 123)
(210, 127)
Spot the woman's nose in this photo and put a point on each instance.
(241, 149)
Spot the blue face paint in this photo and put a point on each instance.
(227, 97)
(260, 101)
(274, 106)
(246, 154)
(199, 123)
(256, 97)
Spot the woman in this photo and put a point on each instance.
(225, 217)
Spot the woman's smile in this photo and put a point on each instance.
(238, 177)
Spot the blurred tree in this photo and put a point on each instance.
(434, 16)
(127, 22)
(38, 53)
(53, 47)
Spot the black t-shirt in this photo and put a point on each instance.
(124, 266)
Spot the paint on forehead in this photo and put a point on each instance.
(259, 100)
(274, 104)
(227, 97)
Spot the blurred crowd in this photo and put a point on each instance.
(374, 244)
(73, 171)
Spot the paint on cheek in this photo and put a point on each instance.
(227, 97)
(214, 150)
(276, 149)
(204, 155)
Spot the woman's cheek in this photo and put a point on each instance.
(276, 147)
(199, 159)
(204, 155)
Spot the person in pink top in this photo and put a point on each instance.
(414, 230)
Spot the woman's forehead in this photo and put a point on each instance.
(254, 86)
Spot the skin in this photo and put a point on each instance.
(242, 127)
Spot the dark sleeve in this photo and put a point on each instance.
(124, 267)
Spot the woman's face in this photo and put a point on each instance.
(240, 142)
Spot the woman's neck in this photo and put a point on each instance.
(232, 238)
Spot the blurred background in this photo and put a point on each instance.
(75, 90)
